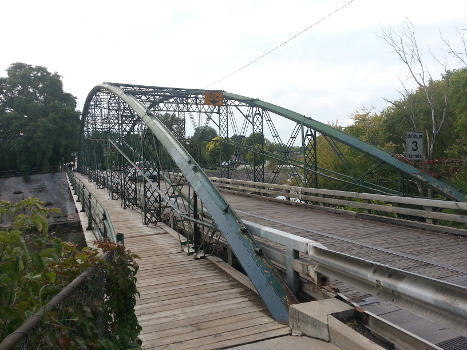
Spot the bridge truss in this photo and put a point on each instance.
(133, 142)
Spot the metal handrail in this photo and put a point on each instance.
(101, 225)
(33, 321)
(428, 297)
(98, 217)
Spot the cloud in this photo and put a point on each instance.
(328, 72)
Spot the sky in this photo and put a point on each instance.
(339, 66)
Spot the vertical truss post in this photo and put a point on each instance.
(89, 213)
(111, 177)
(121, 177)
(310, 159)
(159, 170)
(224, 133)
(257, 120)
(144, 208)
(196, 232)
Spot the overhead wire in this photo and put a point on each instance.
(281, 44)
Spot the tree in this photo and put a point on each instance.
(197, 144)
(175, 124)
(405, 45)
(39, 126)
(218, 150)
(256, 144)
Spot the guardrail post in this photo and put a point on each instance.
(73, 184)
(196, 232)
(83, 200)
(89, 213)
(428, 220)
(104, 219)
(293, 278)
(120, 238)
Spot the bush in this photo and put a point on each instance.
(34, 267)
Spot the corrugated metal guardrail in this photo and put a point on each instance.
(430, 298)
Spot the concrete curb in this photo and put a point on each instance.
(347, 338)
(319, 319)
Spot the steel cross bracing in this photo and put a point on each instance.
(126, 148)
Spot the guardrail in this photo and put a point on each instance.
(430, 211)
(98, 218)
(430, 298)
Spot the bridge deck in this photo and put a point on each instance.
(433, 254)
(428, 253)
(183, 303)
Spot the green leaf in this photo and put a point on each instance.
(51, 276)
(48, 252)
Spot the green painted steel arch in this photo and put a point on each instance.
(269, 285)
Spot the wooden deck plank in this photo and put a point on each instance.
(225, 310)
(238, 336)
(164, 324)
(244, 339)
(201, 328)
(185, 302)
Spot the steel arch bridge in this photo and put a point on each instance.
(133, 142)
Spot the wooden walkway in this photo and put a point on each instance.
(186, 303)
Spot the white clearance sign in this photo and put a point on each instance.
(414, 146)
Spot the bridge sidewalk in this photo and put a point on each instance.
(186, 303)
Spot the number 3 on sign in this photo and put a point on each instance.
(414, 146)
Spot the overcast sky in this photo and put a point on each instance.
(328, 72)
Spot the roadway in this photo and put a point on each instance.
(433, 254)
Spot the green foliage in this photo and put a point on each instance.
(218, 150)
(39, 126)
(120, 287)
(34, 267)
(386, 130)
(175, 124)
(451, 141)
(197, 145)
(256, 143)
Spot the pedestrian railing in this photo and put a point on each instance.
(98, 218)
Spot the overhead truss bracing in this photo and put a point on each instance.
(238, 117)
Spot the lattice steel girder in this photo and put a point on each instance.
(271, 288)
(373, 151)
